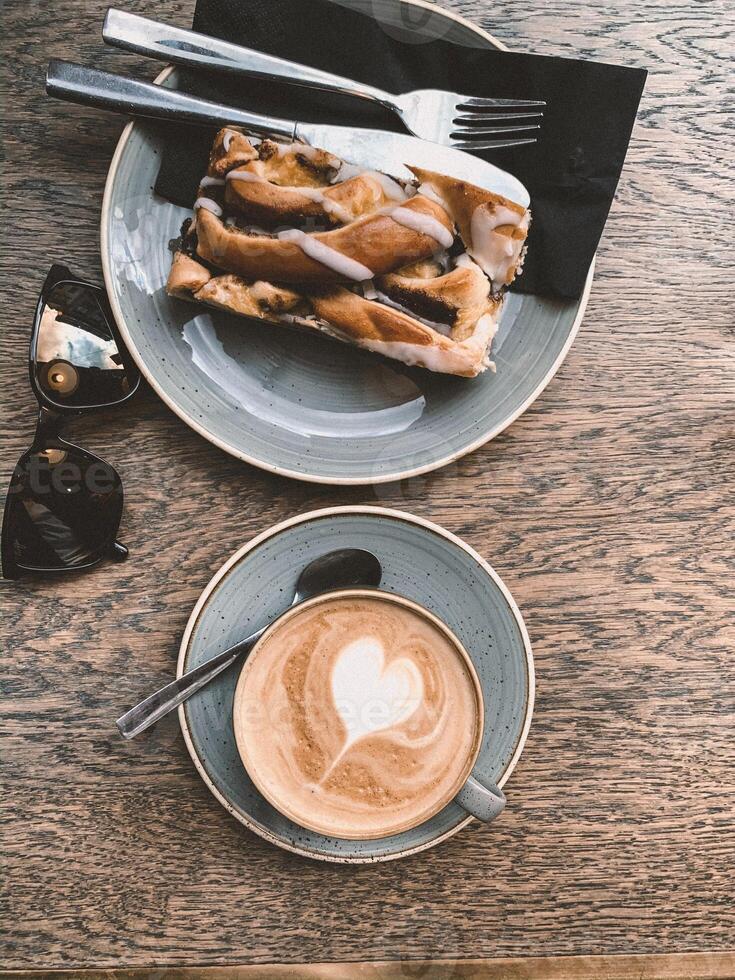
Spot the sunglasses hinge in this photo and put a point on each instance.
(48, 426)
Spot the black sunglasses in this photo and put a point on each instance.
(64, 504)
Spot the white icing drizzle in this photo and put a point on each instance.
(282, 149)
(227, 140)
(330, 206)
(313, 193)
(485, 328)
(444, 360)
(496, 254)
(209, 205)
(428, 190)
(368, 290)
(504, 216)
(346, 171)
(246, 175)
(212, 182)
(422, 223)
(391, 188)
(343, 265)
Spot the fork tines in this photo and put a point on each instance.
(473, 113)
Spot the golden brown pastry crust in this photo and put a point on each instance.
(297, 164)
(340, 313)
(375, 240)
(186, 276)
(459, 297)
(231, 148)
(258, 299)
(364, 319)
(266, 203)
(419, 308)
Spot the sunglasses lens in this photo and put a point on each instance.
(63, 510)
(76, 359)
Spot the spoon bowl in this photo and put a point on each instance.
(341, 569)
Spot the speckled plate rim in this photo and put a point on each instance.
(316, 515)
(254, 460)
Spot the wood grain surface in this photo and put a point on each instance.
(663, 966)
(607, 509)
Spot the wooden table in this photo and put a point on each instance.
(607, 509)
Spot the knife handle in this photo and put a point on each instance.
(103, 90)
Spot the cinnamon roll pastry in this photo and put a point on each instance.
(290, 234)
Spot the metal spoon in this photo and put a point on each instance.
(343, 569)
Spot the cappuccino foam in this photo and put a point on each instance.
(357, 717)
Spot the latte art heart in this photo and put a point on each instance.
(368, 695)
(357, 717)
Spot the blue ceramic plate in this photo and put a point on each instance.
(308, 407)
(420, 561)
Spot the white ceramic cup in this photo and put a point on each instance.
(473, 791)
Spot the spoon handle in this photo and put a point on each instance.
(153, 708)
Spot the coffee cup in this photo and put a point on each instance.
(359, 714)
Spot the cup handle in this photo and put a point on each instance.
(482, 798)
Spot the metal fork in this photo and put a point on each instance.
(455, 120)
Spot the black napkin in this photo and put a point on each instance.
(571, 173)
